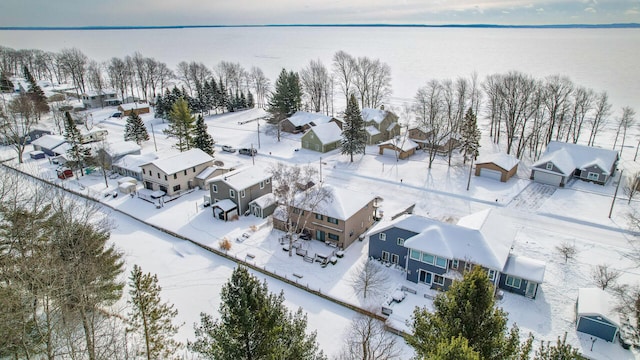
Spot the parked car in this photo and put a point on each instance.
(228, 148)
(116, 115)
(248, 151)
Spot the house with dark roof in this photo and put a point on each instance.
(563, 161)
(436, 254)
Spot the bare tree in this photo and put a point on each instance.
(344, 69)
(16, 123)
(370, 278)
(260, 84)
(582, 105)
(315, 80)
(430, 114)
(74, 62)
(297, 196)
(368, 339)
(568, 251)
(96, 78)
(160, 77)
(600, 117)
(604, 276)
(372, 82)
(627, 119)
(118, 77)
(557, 92)
(232, 75)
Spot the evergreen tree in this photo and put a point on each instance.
(150, 316)
(354, 136)
(134, 130)
(35, 93)
(202, 139)
(470, 136)
(243, 101)
(159, 108)
(5, 83)
(560, 351)
(250, 101)
(456, 348)
(77, 153)
(253, 324)
(181, 125)
(222, 98)
(287, 97)
(467, 310)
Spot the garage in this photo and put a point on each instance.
(595, 314)
(547, 178)
(492, 174)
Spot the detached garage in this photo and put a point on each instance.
(595, 315)
(497, 166)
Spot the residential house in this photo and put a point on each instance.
(499, 166)
(339, 219)
(563, 161)
(380, 124)
(263, 206)
(176, 173)
(109, 153)
(425, 140)
(47, 143)
(130, 165)
(436, 253)
(595, 314)
(322, 138)
(96, 99)
(241, 186)
(397, 147)
(302, 121)
(128, 109)
(26, 138)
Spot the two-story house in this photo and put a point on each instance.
(241, 187)
(380, 124)
(322, 138)
(339, 219)
(436, 253)
(95, 99)
(174, 174)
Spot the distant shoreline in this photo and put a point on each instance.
(492, 26)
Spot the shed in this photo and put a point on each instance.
(128, 109)
(225, 210)
(499, 166)
(595, 315)
(127, 187)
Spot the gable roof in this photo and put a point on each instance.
(568, 157)
(134, 162)
(375, 115)
(597, 302)
(243, 178)
(342, 203)
(301, 118)
(525, 268)
(326, 133)
(49, 141)
(404, 145)
(184, 160)
(502, 160)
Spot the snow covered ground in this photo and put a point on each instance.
(545, 217)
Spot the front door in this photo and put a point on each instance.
(424, 277)
(320, 235)
(531, 289)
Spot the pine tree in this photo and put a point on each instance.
(287, 97)
(467, 310)
(77, 153)
(354, 136)
(134, 130)
(456, 348)
(250, 101)
(560, 351)
(253, 324)
(202, 139)
(470, 136)
(35, 93)
(181, 124)
(151, 317)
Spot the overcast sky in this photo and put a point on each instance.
(236, 12)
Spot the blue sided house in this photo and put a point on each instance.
(437, 253)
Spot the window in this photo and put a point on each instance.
(549, 166)
(454, 263)
(165, 178)
(332, 220)
(441, 262)
(261, 184)
(385, 255)
(382, 236)
(185, 173)
(427, 258)
(333, 237)
(394, 258)
(176, 188)
(319, 217)
(491, 274)
(241, 193)
(468, 266)
(158, 175)
(175, 176)
(438, 279)
(232, 193)
(268, 181)
(194, 169)
(593, 176)
(145, 172)
(400, 241)
(414, 254)
(513, 282)
(214, 188)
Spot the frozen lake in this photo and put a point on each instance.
(601, 59)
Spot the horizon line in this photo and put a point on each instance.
(480, 25)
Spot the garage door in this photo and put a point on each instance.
(387, 151)
(547, 178)
(493, 174)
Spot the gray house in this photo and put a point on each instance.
(436, 253)
(241, 186)
(563, 161)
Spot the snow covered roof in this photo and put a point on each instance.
(402, 144)
(343, 203)
(96, 93)
(225, 205)
(265, 200)
(301, 118)
(376, 115)
(372, 130)
(327, 133)
(525, 268)
(204, 174)
(49, 141)
(184, 160)
(243, 178)
(133, 162)
(506, 162)
(62, 148)
(131, 106)
(568, 157)
(121, 148)
(481, 238)
(597, 302)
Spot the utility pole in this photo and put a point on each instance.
(320, 168)
(153, 133)
(615, 193)
(258, 133)
(470, 171)
(253, 159)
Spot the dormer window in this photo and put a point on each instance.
(549, 166)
